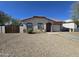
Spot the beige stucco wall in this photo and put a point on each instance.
(21, 29)
(35, 21)
(2, 29)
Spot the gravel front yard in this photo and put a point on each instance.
(40, 45)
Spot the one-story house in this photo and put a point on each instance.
(41, 23)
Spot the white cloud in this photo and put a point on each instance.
(68, 20)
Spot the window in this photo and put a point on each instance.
(29, 26)
(40, 26)
(77, 26)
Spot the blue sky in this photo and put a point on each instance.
(25, 9)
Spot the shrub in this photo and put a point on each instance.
(30, 31)
(24, 30)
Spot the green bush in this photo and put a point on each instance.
(24, 30)
(30, 31)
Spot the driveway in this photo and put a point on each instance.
(55, 44)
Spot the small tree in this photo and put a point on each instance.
(3, 19)
(15, 22)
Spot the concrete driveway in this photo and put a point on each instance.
(55, 44)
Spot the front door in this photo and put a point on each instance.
(48, 27)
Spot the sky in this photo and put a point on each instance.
(25, 9)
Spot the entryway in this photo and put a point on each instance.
(48, 27)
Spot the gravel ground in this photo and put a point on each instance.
(55, 44)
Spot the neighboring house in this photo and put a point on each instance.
(40, 23)
(70, 25)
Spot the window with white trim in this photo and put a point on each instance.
(40, 26)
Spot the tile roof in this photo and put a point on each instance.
(53, 21)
